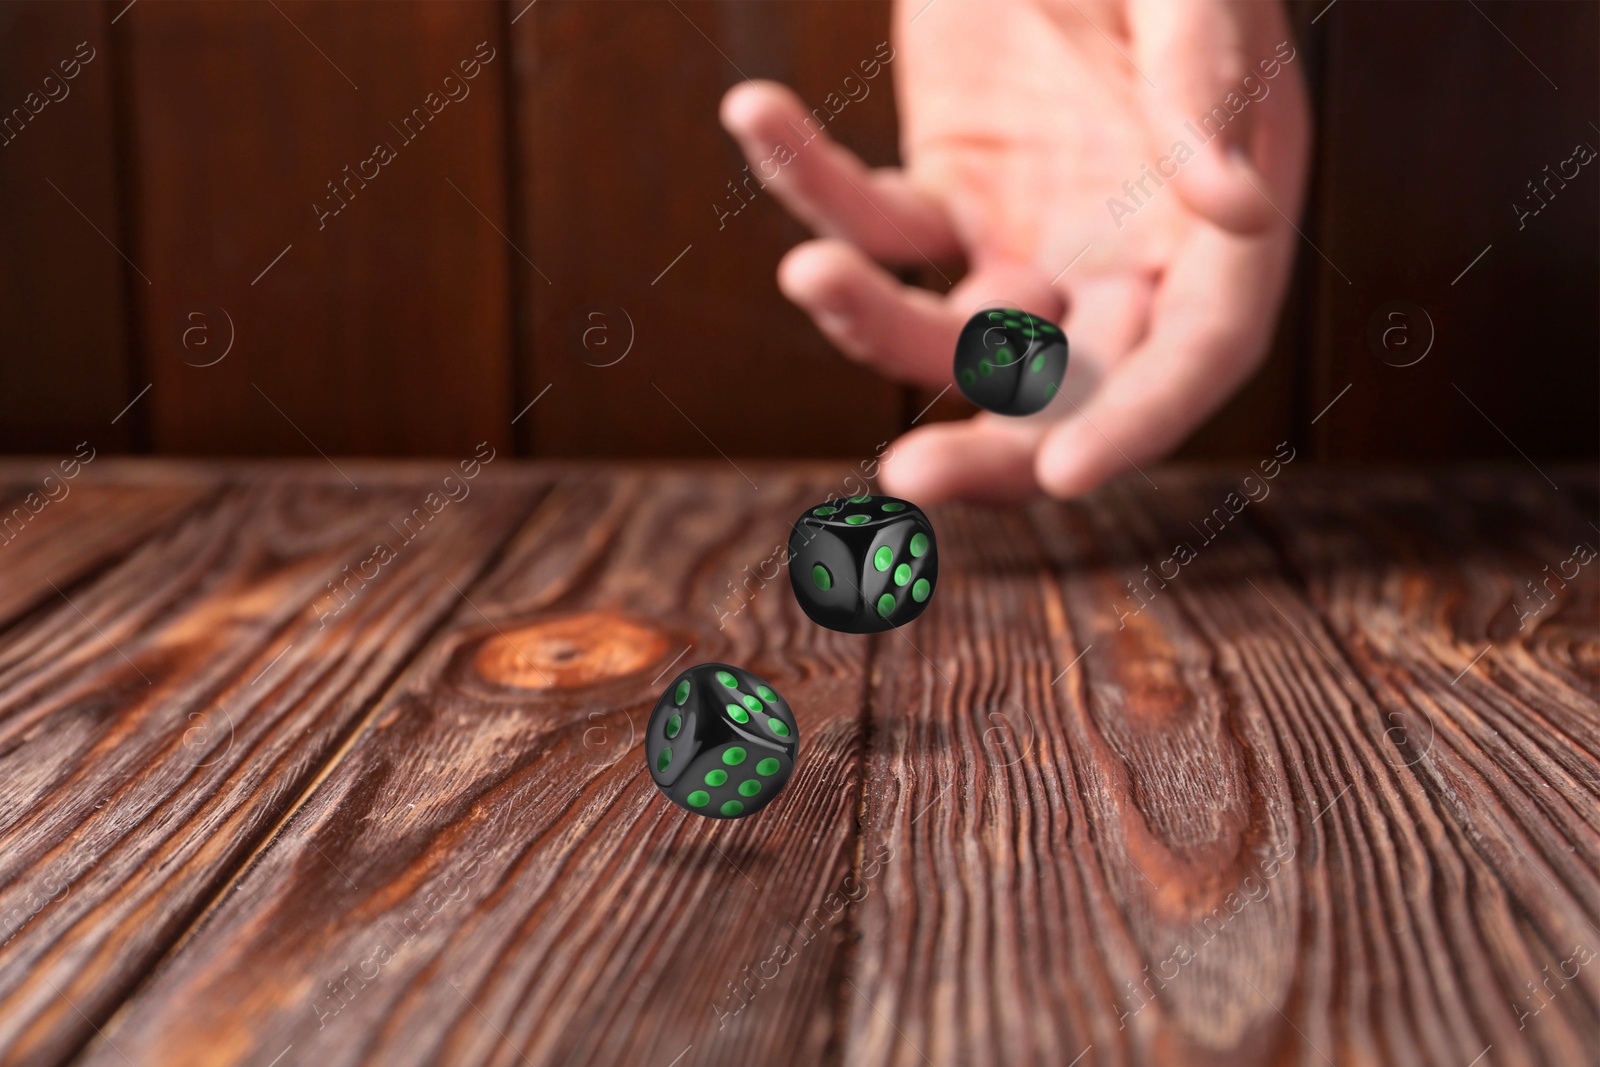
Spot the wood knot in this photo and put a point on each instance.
(570, 652)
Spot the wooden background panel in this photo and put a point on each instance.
(622, 166)
(383, 328)
(1424, 154)
(156, 728)
(68, 366)
(561, 911)
(201, 135)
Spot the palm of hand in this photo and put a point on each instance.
(1024, 127)
(1020, 122)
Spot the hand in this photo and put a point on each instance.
(1020, 123)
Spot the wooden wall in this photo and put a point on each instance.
(561, 207)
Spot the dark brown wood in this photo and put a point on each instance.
(719, 360)
(189, 693)
(1422, 165)
(1323, 790)
(55, 529)
(385, 326)
(492, 776)
(200, 136)
(67, 369)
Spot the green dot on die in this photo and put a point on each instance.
(738, 714)
(919, 545)
(1014, 324)
(1030, 333)
(699, 798)
(732, 808)
(968, 378)
(1050, 390)
(768, 766)
(1047, 328)
(894, 505)
(663, 759)
(749, 788)
(716, 777)
(856, 520)
(674, 724)
(920, 591)
(885, 604)
(766, 694)
(823, 511)
(779, 727)
(860, 499)
(986, 368)
(752, 703)
(902, 574)
(734, 756)
(883, 557)
(682, 694)
(820, 577)
(727, 679)
(1037, 365)
(996, 316)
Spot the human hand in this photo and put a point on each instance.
(1020, 123)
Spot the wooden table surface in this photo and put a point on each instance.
(1327, 790)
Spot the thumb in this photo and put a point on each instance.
(1202, 92)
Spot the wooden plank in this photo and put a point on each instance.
(1399, 218)
(155, 728)
(1488, 673)
(63, 305)
(1203, 844)
(46, 536)
(490, 876)
(1272, 810)
(709, 332)
(385, 325)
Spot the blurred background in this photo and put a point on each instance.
(202, 252)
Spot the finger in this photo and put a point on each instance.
(987, 458)
(994, 282)
(1209, 329)
(906, 333)
(1192, 59)
(826, 186)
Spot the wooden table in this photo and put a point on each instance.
(1330, 794)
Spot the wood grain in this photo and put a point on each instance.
(1326, 792)
(46, 548)
(158, 724)
(1224, 835)
(585, 891)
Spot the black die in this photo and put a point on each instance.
(1010, 362)
(721, 742)
(864, 564)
